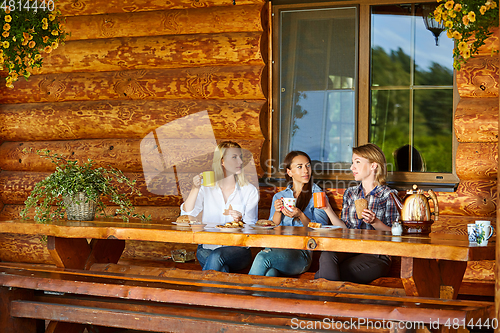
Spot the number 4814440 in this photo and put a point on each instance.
(27, 5)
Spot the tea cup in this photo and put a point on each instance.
(208, 179)
(319, 199)
(472, 233)
(484, 231)
(289, 203)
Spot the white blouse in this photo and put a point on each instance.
(211, 201)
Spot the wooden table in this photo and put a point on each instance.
(432, 265)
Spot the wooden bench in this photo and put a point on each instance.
(131, 297)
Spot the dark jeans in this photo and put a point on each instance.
(352, 267)
(224, 259)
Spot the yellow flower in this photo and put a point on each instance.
(32, 44)
(482, 10)
(55, 45)
(6, 27)
(449, 4)
(449, 33)
(472, 16)
(7, 10)
(47, 49)
(45, 26)
(5, 34)
(14, 76)
(466, 54)
(493, 5)
(55, 32)
(452, 14)
(44, 20)
(14, 38)
(457, 35)
(38, 56)
(26, 36)
(465, 20)
(9, 85)
(448, 24)
(52, 17)
(458, 7)
(8, 18)
(45, 39)
(437, 17)
(25, 42)
(462, 46)
(6, 44)
(2, 60)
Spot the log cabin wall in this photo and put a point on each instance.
(127, 69)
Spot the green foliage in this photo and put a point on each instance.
(468, 22)
(28, 31)
(71, 178)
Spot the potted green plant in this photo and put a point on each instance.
(75, 187)
(469, 23)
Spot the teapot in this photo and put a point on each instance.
(415, 206)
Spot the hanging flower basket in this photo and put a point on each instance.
(468, 22)
(30, 29)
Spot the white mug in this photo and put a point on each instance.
(289, 203)
(484, 231)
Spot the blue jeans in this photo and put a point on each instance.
(224, 259)
(277, 262)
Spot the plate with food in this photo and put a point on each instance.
(264, 224)
(182, 221)
(321, 227)
(231, 226)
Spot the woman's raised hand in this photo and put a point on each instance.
(278, 205)
(197, 180)
(295, 212)
(237, 216)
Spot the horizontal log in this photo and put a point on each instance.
(127, 155)
(472, 198)
(179, 51)
(166, 22)
(478, 77)
(490, 44)
(476, 120)
(162, 190)
(232, 120)
(242, 82)
(476, 161)
(25, 249)
(158, 213)
(94, 7)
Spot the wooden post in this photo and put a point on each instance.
(497, 255)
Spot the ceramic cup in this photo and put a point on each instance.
(289, 203)
(472, 232)
(208, 178)
(319, 199)
(484, 231)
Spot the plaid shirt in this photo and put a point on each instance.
(380, 203)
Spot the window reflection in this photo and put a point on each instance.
(411, 89)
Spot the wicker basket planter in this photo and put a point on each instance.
(79, 208)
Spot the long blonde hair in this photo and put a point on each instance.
(219, 153)
(373, 153)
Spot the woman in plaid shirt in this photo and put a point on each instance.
(369, 168)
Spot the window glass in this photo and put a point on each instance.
(317, 84)
(411, 91)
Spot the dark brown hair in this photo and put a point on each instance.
(306, 193)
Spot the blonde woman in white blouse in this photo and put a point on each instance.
(233, 190)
